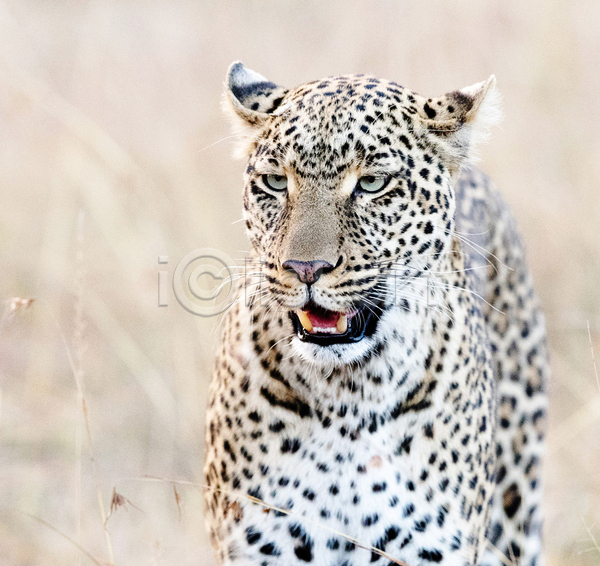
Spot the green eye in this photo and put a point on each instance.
(275, 182)
(373, 184)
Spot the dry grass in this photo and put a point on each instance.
(113, 109)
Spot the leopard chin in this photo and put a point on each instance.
(333, 355)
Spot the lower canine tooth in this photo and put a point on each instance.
(304, 320)
(342, 324)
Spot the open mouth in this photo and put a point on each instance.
(317, 325)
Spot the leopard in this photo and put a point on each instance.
(379, 389)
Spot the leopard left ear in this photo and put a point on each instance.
(462, 118)
(249, 100)
(250, 97)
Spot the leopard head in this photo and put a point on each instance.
(348, 187)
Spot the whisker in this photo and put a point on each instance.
(236, 136)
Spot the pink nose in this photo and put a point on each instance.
(308, 271)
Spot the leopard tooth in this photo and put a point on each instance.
(304, 320)
(342, 324)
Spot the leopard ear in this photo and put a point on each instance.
(462, 119)
(250, 98)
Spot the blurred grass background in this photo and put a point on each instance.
(109, 118)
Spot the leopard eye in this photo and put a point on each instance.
(373, 184)
(275, 182)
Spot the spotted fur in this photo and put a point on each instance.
(424, 437)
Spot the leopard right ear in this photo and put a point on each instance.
(250, 98)
(461, 119)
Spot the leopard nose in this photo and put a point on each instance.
(308, 271)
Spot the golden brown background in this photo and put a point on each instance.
(108, 113)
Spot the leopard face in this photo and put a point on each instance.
(348, 198)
